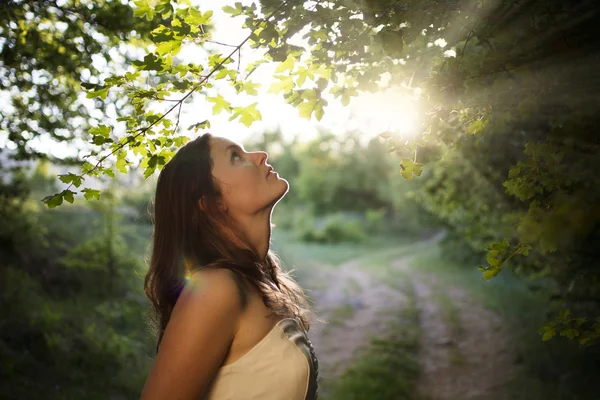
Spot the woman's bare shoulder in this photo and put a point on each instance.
(214, 285)
(197, 338)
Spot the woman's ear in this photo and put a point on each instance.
(202, 204)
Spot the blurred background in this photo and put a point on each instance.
(73, 311)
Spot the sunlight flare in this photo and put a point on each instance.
(393, 110)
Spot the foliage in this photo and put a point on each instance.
(48, 49)
(336, 228)
(72, 299)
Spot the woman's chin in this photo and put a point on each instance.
(283, 187)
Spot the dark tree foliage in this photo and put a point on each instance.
(47, 48)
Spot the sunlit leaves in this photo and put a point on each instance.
(220, 104)
(497, 254)
(476, 127)
(152, 62)
(247, 115)
(171, 47)
(100, 92)
(234, 11)
(288, 64)
(301, 75)
(196, 17)
(100, 135)
(586, 331)
(313, 103)
(144, 9)
(122, 162)
(248, 87)
(285, 84)
(409, 168)
(346, 93)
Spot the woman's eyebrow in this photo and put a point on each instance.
(233, 146)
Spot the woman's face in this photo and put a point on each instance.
(247, 184)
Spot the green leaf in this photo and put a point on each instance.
(102, 93)
(195, 17)
(288, 64)
(233, 11)
(410, 168)
(171, 48)
(68, 196)
(306, 109)
(71, 178)
(121, 165)
(54, 200)
(90, 194)
(303, 73)
(571, 333)
(162, 34)
(143, 8)
(248, 114)
(490, 273)
(200, 125)
(149, 171)
(285, 84)
(549, 334)
(476, 126)
(101, 130)
(250, 88)
(151, 62)
(220, 104)
(347, 95)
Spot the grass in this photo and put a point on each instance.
(339, 316)
(553, 370)
(451, 317)
(300, 253)
(389, 368)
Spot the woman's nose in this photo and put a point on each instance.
(261, 157)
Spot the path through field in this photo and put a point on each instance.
(462, 351)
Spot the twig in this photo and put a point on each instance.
(178, 115)
(219, 43)
(462, 53)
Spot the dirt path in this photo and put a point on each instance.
(463, 353)
(352, 310)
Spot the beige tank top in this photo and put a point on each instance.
(281, 366)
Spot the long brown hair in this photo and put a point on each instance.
(186, 239)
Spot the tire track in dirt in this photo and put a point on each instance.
(467, 357)
(364, 303)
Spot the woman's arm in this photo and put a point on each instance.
(197, 338)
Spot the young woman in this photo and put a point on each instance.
(231, 323)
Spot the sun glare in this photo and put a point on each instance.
(393, 111)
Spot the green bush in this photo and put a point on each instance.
(375, 220)
(336, 228)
